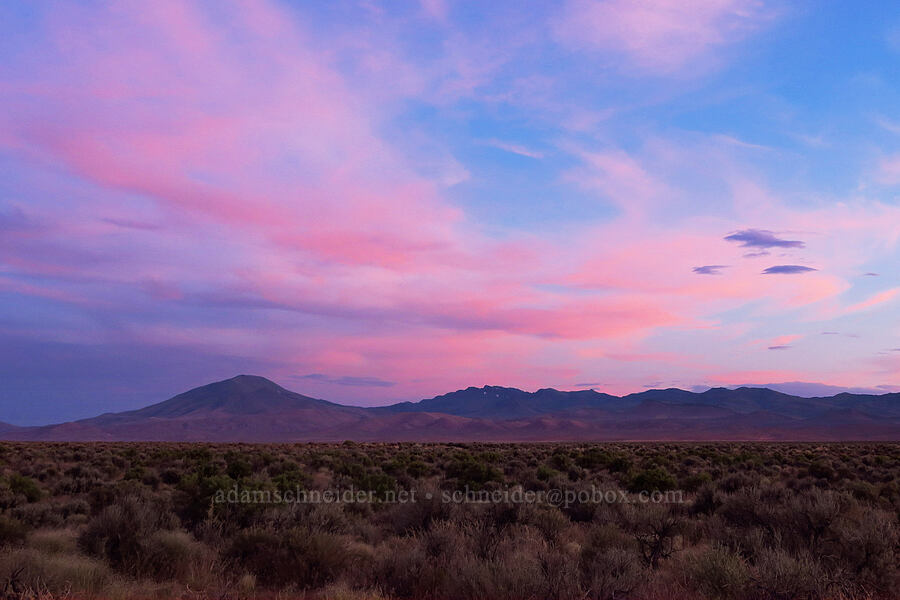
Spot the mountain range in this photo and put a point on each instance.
(249, 408)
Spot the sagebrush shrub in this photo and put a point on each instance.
(25, 486)
(298, 557)
(720, 574)
(12, 531)
(652, 480)
(779, 575)
(122, 534)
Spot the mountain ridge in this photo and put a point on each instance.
(255, 409)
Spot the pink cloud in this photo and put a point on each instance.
(660, 36)
(780, 342)
(515, 149)
(269, 141)
(619, 177)
(889, 170)
(246, 201)
(873, 301)
(435, 9)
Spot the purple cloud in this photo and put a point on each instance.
(787, 270)
(709, 269)
(14, 219)
(348, 380)
(762, 238)
(780, 347)
(131, 224)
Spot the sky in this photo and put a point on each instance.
(371, 202)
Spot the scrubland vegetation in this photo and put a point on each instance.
(757, 521)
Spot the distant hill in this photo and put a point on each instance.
(7, 428)
(254, 409)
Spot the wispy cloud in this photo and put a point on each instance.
(660, 36)
(131, 224)
(590, 384)
(14, 219)
(782, 342)
(889, 170)
(348, 380)
(888, 124)
(876, 300)
(514, 148)
(435, 9)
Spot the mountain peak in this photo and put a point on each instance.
(249, 379)
(240, 395)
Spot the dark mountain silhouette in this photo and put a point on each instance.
(740, 400)
(495, 402)
(242, 395)
(255, 409)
